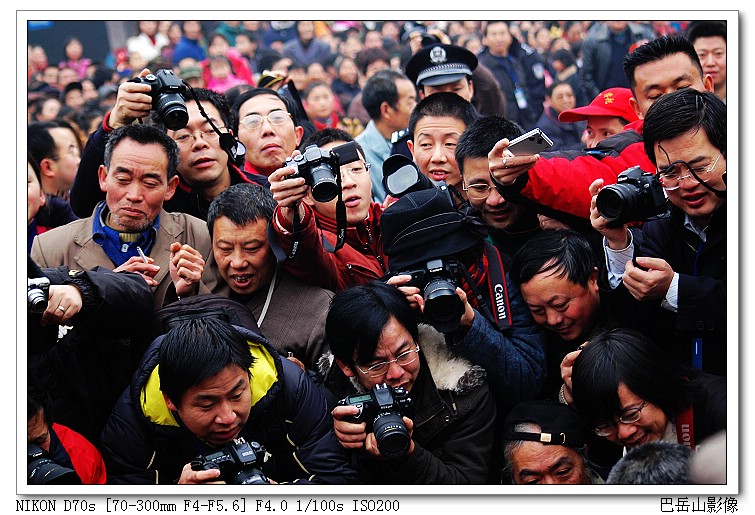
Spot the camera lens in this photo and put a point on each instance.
(323, 183)
(36, 301)
(443, 307)
(250, 477)
(391, 435)
(617, 203)
(171, 109)
(41, 470)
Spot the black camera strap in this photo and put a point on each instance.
(498, 312)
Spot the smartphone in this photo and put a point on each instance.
(532, 142)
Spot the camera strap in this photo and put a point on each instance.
(498, 310)
(685, 430)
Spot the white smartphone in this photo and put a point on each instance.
(532, 142)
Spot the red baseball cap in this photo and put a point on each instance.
(611, 102)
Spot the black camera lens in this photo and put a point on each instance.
(41, 470)
(36, 301)
(324, 186)
(391, 435)
(443, 307)
(617, 203)
(250, 477)
(172, 111)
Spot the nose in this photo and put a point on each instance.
(134, 192)
(199, 141)
(225, 415)
(494, 198)
(708, 60)
(438, 155)
(553, 317)
(347, 181)
(238, 259)
(625, 431)
(395, 371)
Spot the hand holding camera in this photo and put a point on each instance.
(57, 303)
(288, 189)
(238, 463)
(617, 237)
(133, 101)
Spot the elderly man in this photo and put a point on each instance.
(545, 443)
(130, 231)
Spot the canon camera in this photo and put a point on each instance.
(636, 196)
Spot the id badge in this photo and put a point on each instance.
(521, 98)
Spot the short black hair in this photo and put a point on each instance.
(197, 349)
(657, 49)
(555, 84)
(480, 137)
(370, 55)
(682, 111)
(380, 88)
(38, 400)
(144, 135)
(653, 463)
(567, 252)
(706, 29)
(444, 103)
(357, 316)
(40, 142)
(242, 204)
(626, 356)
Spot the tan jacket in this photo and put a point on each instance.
(73, 245)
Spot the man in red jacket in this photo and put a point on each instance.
(558, 183)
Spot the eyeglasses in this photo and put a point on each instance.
(73, 152)
(188, 138)
(629, 416)
(254, 121)
(357, 170)
(671, 176)
(380, 369)
(478, 191)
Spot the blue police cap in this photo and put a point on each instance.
(439, 64)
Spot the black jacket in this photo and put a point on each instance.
(144, 443)
(453, 413)
(85, 365)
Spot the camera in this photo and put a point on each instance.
(382, 409)
(37, 293)
(167, 99)
(636, 196)
(437, 280)
(240, 463)
(319, 168)
(401, 176)
(41, 470)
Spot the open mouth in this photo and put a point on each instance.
(241, 281)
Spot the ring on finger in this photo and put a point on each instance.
(62, 309)
(505, 159)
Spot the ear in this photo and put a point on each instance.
(471, 86)
(169, 403)
(346, 369)
(45, 165)
(299, 131)
(384, 109)
(172, 184)
(102, 176)
(636, 107)
(410, 144)
(708, 83)
(592, 282)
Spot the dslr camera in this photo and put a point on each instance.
(382, 409)
(37, 293)
(438, 279)
(240, 463)
(167, 99)
(636, 196)
(41, 470)
(319, 168)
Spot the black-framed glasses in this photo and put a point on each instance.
(672, 175)
(629, 416)
(187, 138)
(380, 369)
(479, 191)
(277, 117)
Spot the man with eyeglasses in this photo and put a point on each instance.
(677, 278)
(264, 122)
(375, 339)
(361, 258)
(205, 166)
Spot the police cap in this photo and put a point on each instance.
(439, 64)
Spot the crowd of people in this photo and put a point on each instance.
(303, 252)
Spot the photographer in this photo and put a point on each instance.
(678, 281)
(79, 331)
(202, 386)
(205, 165)
(447, 431)
(361, 258)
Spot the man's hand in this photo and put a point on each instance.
(505, 167)
(288, 192)
(350, 435)
(617, 237)
(62, 304)
(133, 101)
(199, 477)
(566, 372)
(651, 284)
(547, 222)
(147, 270)
(186, 267)
(412, 293)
